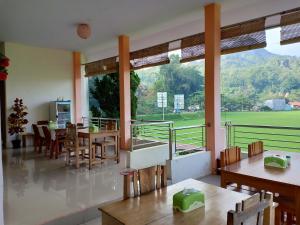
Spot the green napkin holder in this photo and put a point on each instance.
(276, 161)
(52, 125)
(188, 200)
(93, 129)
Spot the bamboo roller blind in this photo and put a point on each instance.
(192, 48)
(237, 38)
(290, 28)
(104, 66)
(148, 57)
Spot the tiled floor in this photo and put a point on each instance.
(38, 190)
(96, 221)
(42, 191)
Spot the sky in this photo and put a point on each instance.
(273, 44)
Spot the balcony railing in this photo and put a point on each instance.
(149, 133)
(102, 122)
(274, 137)
(188, 138)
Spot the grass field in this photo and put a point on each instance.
(291, 118)
(283, 139)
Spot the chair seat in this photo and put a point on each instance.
(104, 143)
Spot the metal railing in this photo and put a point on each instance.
(102, 122)
(149, 133)
(188, 138)
(274, 137)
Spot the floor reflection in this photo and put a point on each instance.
(38, 189)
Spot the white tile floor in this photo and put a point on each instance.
(42, 191)
(38, 190)
(96, 221)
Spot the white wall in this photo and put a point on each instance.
(38, 76)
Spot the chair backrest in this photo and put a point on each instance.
(255, 210)
(146, 180)
(255, 148)
(47, 133)
(71, 138)
(43, 122)
(230, 155)
(36, 131)
(111, 125)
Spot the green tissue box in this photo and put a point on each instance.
(276, 161)
(93, 129)
(188, 200)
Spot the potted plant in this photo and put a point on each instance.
(17, 121)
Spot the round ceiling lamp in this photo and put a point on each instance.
(84, 30)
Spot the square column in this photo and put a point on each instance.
(125, 101)
(77, 86)
(214, 134)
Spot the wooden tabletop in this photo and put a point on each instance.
(156, 208)
(254, 167)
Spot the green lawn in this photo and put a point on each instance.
(273, 138)
(291, 118)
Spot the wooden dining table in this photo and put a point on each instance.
(156, 208)
(253, 173)
(92, 136)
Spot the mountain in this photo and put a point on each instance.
(247, 78)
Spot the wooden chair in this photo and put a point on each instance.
(105, 143)
(145, 180)
(230, 156)
(256, 210)
(285, 212)
(73, 147)
(43, 122)
(255, 148)
(49, 143)
(60, 135)
(39, 141)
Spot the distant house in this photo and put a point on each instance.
(295, 105)
(278, 104)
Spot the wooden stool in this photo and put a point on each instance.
(24, 138)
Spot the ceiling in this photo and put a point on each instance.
(52, 23)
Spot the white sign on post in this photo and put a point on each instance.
(178, 102)
(161, 99)
(162, 102)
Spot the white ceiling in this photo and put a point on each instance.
(52, 23)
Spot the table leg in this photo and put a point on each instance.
(126, 186)
(24, 141)
(90, 153)
(223, 181)
(118, 149)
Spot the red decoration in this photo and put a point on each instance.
(4, 62)
(3, 75)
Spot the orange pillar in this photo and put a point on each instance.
(77, 86)
(125, 103)
(212, 82)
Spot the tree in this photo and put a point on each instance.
(106, 93)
